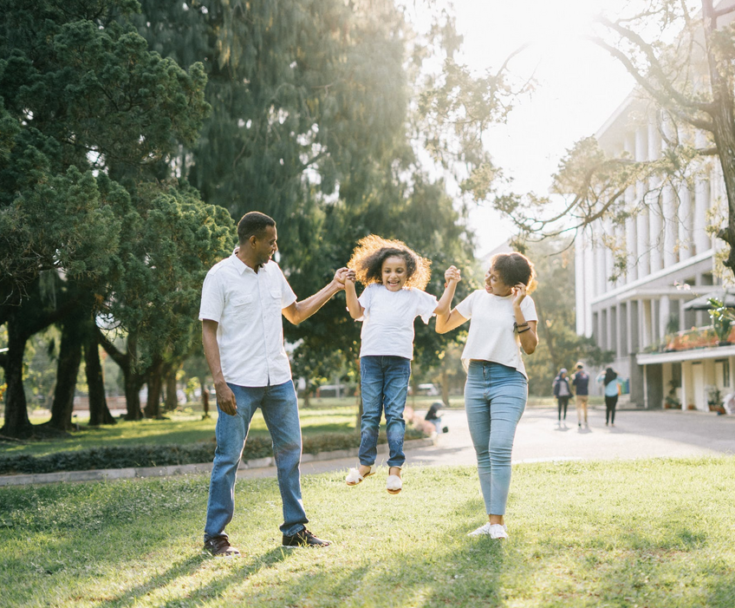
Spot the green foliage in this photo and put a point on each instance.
(311, 124)
(722, 319)
(84, 95)
(92, 120)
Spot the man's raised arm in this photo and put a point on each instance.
(300, 311)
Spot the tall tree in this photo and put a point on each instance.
(93, 118)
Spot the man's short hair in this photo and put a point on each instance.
(253, 223)
(580, 365)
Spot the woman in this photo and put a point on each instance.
(562, 392)
(503, 320)
(610, 380)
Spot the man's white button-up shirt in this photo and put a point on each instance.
(247, 306)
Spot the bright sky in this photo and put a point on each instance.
(578, 87)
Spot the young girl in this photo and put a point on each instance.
(395, 277)
(503, 321)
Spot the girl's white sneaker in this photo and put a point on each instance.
(394, 484)
(353, 477)
(492, 530)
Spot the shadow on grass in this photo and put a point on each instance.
(243, 568)
(456, 571)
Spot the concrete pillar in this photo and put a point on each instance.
(671, 225)
(600, 270)
(642, 221)
(612, 331)
(664, 315)
(656, 234)
(701, 204)
(646, 323)
(634, 333)
(589, 284)
(622, 338)
(609, 260)
(685, 223)
(579, 283)
(631, 233)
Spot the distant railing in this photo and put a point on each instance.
(690, 339)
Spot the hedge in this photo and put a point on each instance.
(163, 455)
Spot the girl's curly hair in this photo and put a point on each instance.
(368, 257)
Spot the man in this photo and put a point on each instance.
(242, 332)
(581, 382)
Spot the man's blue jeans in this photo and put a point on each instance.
(495, 396)
(280, 410)
(384, 386)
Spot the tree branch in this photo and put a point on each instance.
(122, 359)
(657, 95)
(656, 66)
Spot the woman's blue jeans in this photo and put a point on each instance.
(280, 410)
(495, 397)
(384, 386)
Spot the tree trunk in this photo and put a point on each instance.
(133, 382)
(17, 424)
(99, 413)
(132, 379)
(445, 388)
(172, 400)
(155, 384)
(70, 357)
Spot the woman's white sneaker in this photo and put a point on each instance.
(495, 531)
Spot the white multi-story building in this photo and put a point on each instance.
(671, 260)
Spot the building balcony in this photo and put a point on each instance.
(693, 344)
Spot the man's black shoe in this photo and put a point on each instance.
(219, 546)
(304, 538)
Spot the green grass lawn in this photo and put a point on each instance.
(181, 429)
(653, 533)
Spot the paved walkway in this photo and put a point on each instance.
(637, 434)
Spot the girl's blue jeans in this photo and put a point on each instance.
(280, 410)
(384, 387)
(495, 397)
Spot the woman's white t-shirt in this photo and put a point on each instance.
(492, 336)
(387, 328)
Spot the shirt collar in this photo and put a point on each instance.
(242, 268)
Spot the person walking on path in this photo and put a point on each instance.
(243, 298)
(394, 277)
(581, 383)
(562, 392)
(503, 320)
(610, 380)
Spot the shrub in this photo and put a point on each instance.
(122, 457)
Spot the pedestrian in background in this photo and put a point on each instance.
(562, 392)
(581, 384)
(611, 381)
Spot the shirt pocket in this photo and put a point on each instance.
(274, 297)
(238, 302)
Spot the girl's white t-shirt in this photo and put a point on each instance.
(387, 328)
(492, 336)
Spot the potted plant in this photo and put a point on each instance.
(722, 320)
(714, 400)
